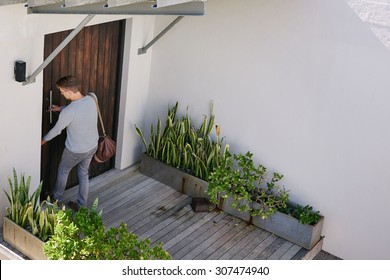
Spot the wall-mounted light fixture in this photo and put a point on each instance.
(20, 71)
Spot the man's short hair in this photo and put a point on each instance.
(69, 83)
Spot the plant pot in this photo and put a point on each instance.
(291, 229)
(173, 177)
(23, 241)
(280, 224)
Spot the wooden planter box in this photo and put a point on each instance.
(23, 241)
(174, 177)
(280, 224)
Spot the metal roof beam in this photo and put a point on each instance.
(158, 37)
(74, 3)
(11, 2)
(193, 8)
(116, 3)
(31, 79)
(35, 3)
(165, 3)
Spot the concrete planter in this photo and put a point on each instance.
(226, 206)
(23, 241)
(280, 224)
(289, 228)
(174, 177)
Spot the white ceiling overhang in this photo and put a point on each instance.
(113, 7)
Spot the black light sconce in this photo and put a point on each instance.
(20, 71)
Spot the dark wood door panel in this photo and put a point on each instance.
(94, 57)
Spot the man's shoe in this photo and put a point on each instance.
(52, 200)
(73, 205)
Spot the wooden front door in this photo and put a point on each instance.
(94, 56)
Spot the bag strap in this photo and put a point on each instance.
(98, 110)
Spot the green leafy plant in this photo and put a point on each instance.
(82, 236)
(182, 145)
(42, 220)
(25, 209)
(306, 215)
(270, 199)
(20, 200)
(241, 179)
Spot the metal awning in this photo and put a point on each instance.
(113, 7)
(91, 8)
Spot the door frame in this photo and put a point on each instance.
(118, 83)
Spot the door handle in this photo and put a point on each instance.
(50, 106)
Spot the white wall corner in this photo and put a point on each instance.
(135, 89)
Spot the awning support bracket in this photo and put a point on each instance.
(31, 79)
(162, 33)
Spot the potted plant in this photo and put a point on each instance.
(191, 153)
(28, 224)
(44, 231)
(241, 188)
(82, 236)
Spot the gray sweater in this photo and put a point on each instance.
(80, 120)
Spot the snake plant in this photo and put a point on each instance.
(25, 210)
(20, 200)
(182, 145)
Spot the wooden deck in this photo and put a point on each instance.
(156, 211)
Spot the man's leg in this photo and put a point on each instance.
(68, 161)
(83, 175)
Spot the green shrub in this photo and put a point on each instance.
(82, 236)
(304, 214)
(241, 179)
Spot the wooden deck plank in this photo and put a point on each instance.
(135, 207)
(166, 222)
(197, 236)
(129, 195)
(186, 231)
(240, 246)
(160, 214)
(152, 209)
(127, 192)
(160, 236)
(206, 248)
(264, 255)
(291, 252)
(116, 191)
(216, 249)
(248, 244)
(201, 237)
(223, 252)
(110, 178)
(261, 247)
(281, 251)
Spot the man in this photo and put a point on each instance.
(80, 120)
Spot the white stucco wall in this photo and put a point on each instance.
(135, 88)
(22, 38)
(304, 85)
